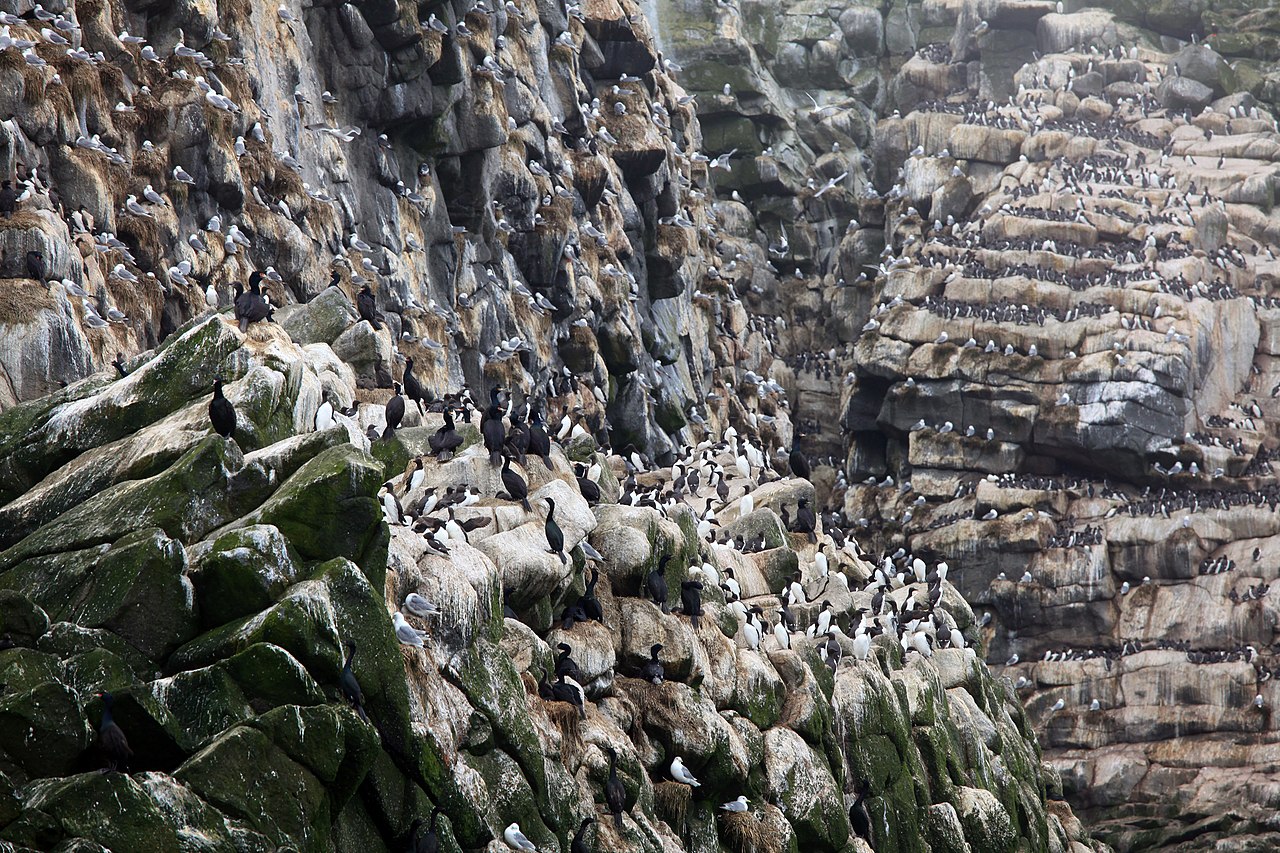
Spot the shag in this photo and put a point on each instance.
(395, 412)
(615, 795)
(691, 601)
(221, 413)
(555, 536)
(655, 584)
(348, 684)
(652, 671)
(366, 307)
(111, 738)
(515, 485)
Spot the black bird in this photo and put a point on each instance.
(412, 387)
(805, 520)
(493, 430)
(518, 438)
(426, 843)
(349, 686)
(250, 306)
(615, 795)
(591, 604)
(555, 536)
(691, 601)
(655, 584)
(366, 307)
(652, 670)
(445, 440)
(859, 817)
(565, 692)
(573, 614)
(221, 412)
(515, 485)
(118, 364)
(544, 687)
(566, 665)
(579, 844)
(540, 442)
(8, 199)
(36, 267)
(799, 464)
(587, 487)
(395, 412)
(111, 738)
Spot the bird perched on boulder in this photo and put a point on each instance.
(221, 413)
(115, 746)
(366, 307)
(395, 412)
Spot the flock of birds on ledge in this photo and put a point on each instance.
(898, 598)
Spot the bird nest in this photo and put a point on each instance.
(20, 301)
(566, 720)
(745, 832)
(661, 706)
(671, 802)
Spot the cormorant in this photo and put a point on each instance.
(446, 439)
(859, 817)
(540, 442)
(395, 412)
(615, 795)
(518, 438)
(566, 665)
(591, 604)
(412, 387)
(655, 584)
(111, 738)
(579, 844)
(799, 464)
(805, 520)
(491, 427)
(515, 485)
(366, 307)
(652, 670)
(691, 601)
(348, 684)
(566, 692)
(587, 487)
(8, 199)
(36, 267)
(118, 364)
(429, 842)
(221, 413)
(555, 536)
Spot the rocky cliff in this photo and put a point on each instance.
(525, 189)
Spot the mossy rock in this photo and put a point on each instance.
(328, 507)
(122, 812)
(987, 826)
(303, 623)
(25, 669)
(135, 589)
(332, 742)
(322, 319)
(43, 730)
(40, 436)
(156, 737)
(205, 488)
(66, 639)
(97, 670)
(246, 775)
(21, 619)
(241, 572)
(511, 798)
(264, 408)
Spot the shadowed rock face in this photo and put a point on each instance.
(1062, 365)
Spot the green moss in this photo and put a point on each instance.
(246, 775)
(330, 741)
(25, 669)
(205, 488)
(40, 436)
(328, 508)
(241, 572)
(43, 730)
(20, 618)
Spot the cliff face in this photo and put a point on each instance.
(1059, 376)
(524, 189)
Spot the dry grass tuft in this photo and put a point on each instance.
(752, 831)
(21, 300)
(671, 803)
(565, 718)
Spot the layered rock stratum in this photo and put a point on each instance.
(1002, 270)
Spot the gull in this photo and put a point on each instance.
(406, 633)
(515, 838)
(128, 39)
(831, 184)
(120, 272)
(739, 805)
(681, 773)
(358, 244)
(420, 606)
(132, 206)
(152, 196)
(285, 15)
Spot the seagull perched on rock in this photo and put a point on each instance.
(515, 838)
(406, 633)
(681, 773)
(420, 606)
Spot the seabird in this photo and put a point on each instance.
(420, 606)
(555, 536)
(515, 838)
(681, 773)
(406, 633)
(349, 686)
(859, 817)
(221, 413)
(367, 307)
(615, 795)
(111, 738)
(737, 806)
(655, 584)
(516, 487)
(394, 412)
(652, 670)
(691, 601)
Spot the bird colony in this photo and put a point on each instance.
(460, 426)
